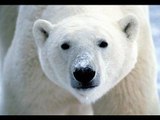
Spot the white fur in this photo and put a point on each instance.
(37, 72)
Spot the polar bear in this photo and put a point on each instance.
(81, 60)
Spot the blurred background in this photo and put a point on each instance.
(155, 25)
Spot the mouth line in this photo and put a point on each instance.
(83, 87)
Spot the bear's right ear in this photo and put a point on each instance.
(41, 31)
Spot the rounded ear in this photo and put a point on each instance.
(41, 31)
(129, 26)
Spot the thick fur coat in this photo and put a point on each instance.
(36, 71)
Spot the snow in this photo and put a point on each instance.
(155, 25)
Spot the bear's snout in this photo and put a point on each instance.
(84, 75)
(84, 78)
(83, 72)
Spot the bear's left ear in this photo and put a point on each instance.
(41, 31)
(130, 26)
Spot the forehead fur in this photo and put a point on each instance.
(84, 25)
(83, 21)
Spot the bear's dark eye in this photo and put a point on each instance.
(65, 46)
(103, 44)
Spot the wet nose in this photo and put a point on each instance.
(84, 75)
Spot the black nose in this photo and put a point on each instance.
(84, 75)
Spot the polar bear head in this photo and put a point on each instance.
(87, 55)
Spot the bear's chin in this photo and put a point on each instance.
(87, 96)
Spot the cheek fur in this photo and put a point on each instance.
(60, 68)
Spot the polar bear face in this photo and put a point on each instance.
(86, 55)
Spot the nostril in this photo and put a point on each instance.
(84, 75)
